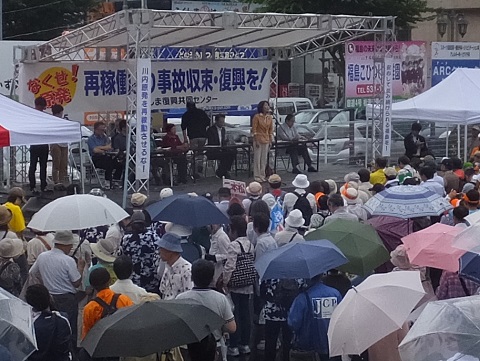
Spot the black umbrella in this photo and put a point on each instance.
(187, 210)
(150, 327)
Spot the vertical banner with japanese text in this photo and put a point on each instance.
(387, 107)
(144, 81)
(409, 71)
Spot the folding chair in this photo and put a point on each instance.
(89, 168)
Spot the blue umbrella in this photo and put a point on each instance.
(187, 210)
(300, 260)
(470, 266)
(407, 202)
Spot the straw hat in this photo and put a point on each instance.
(104, 250)
(254, 189)
(274, 178)
(138, 199)
(64, 237)
(11, 247)
(295, 219)
(390, 172)
(170, 242)
(178, 229)
(301, 181)
(5, 215)
(17, 192)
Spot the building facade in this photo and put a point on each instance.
(428, 30)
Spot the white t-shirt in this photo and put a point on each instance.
(58, 271)
(214, 301)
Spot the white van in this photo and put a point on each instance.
(284, 106)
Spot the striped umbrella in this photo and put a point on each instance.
(407, 202)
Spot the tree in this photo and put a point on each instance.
(407, 13)
(43, 19)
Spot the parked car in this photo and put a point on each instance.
(283, 106)
(308, 122)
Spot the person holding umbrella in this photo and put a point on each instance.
(140, 246)
(309, 318)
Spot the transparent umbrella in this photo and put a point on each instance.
(17, 336)
(446, 330)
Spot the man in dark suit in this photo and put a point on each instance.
(216, 135)
(415, 144)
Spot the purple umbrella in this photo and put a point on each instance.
(391, 230)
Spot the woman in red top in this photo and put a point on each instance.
(177, 151)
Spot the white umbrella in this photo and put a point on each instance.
(468, 239)
(446, 330)
(17, 335)
(376, 308)
(75, 212)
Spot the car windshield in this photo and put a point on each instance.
(304, 117)
(333, 133)
(341, 118)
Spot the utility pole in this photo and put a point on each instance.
(1, 19)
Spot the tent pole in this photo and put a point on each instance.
(465, 145)
(82, 169)
(458, 140)
(448, 136)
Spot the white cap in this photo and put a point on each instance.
(166, 192)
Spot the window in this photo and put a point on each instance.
(303, 105)
(284, 108)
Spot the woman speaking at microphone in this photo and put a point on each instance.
(262, 131)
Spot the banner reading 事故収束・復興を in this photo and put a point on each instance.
(409, 72)
(87, 89)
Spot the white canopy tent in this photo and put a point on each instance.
(23, 125)
(455, 101)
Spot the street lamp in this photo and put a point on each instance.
(462, 24)
(444, 19)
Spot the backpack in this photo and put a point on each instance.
(285, 293)
(276, 217)
(108, 309)
(9, 284)
(303, 205)
(244, 273)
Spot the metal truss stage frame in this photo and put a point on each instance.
(152, 34)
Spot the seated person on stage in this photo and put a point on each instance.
(288, 132)
(177, 151)
(98, 145)
(216, 135)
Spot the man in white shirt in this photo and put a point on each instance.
(427, 174)
(177, 277)
(202, 275)
(218, 248)
(300, 183)
(288, 132)
(123, 268)
(61, 276)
